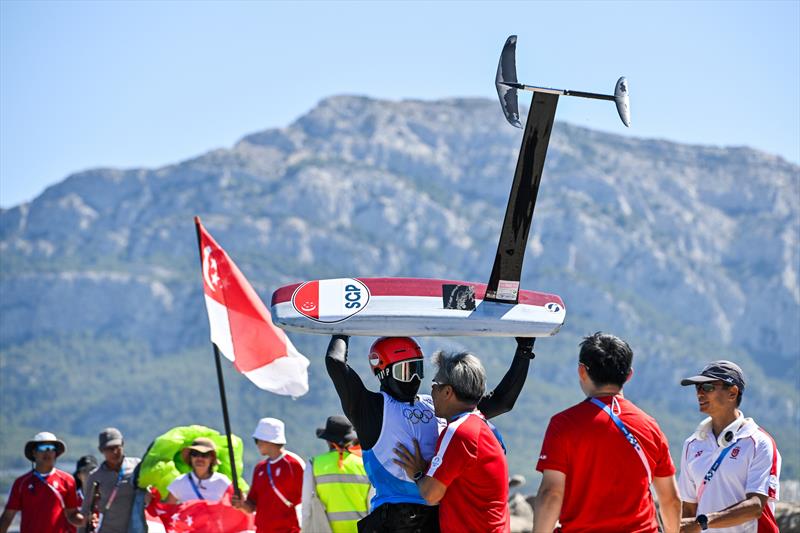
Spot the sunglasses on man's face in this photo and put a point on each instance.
(706, 387)
(195, 453)
(46, 448)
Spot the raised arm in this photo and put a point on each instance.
(504, 396)
(363, 407)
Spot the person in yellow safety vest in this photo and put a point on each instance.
(336, 489)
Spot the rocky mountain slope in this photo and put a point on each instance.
(690, 252)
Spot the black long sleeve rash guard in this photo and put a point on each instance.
(364, 408)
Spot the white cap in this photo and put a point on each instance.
(270, 430)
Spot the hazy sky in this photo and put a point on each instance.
(88, 84)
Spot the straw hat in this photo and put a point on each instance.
(202, 445)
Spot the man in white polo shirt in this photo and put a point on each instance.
(729, 466)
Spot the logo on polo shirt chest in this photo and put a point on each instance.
(734, 452)
(698, 454)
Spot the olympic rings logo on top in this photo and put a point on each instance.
(417, 415)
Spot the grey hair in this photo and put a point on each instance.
(462, 371)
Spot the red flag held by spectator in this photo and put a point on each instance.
(198, 515)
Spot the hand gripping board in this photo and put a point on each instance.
(412, 307)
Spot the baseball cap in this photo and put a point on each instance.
(721, 370)
(109, 437)
(87, 462)
(270, 430)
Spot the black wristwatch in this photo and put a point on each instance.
(702, 520)
(418, 475)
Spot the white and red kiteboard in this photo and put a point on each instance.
(412, 307)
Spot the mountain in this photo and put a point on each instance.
(691, 253)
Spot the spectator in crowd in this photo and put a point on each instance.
(335, 486)
(277, 487)
(116, 482)
(468, 475)
(83, 468)
(398, 413)
(45, 496)
(729, 466)
(600, 456)
(202, 483)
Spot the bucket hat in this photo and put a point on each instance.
(270, 430)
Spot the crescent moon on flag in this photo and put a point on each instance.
(206, 257)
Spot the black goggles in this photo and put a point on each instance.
(406, 371)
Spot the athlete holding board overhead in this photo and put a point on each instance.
(399, 414)
(404, 307)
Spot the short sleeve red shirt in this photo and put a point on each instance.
(470, 461)
(40, 507)
(272, 514)
(606, 483)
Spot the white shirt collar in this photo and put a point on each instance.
(741, 427)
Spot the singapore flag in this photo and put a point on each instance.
(241, 326)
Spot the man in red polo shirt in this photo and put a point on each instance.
(277, 487)
(468, 475)
(46, 496)
(600, 456)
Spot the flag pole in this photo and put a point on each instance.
(226, 419)
(220, 382)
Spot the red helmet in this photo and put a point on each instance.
(387, 351)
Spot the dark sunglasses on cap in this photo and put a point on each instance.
(406, 371)
(195, 453)
(708, 387)
(46, 448)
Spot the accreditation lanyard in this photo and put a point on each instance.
(630, 437)
(51, 487)
(194, 487)
(113, 496)
(278, 493)
(497, 434)
(713, 470)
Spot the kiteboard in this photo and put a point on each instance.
(412, 307)
(431, 307)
